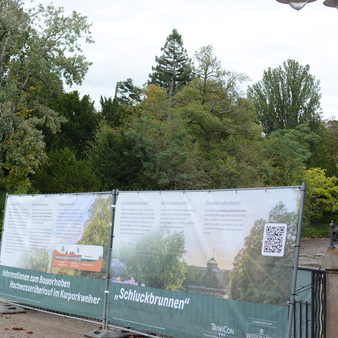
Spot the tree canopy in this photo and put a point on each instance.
(190, 127)
(286, 96)
(40, 48)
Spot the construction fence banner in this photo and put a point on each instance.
(54, 251)
(205, 263)
(213, 263)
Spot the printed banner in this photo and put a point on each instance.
(59, 235)
(68, 294)
(204, 263)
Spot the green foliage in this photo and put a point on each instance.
(173, 67)
(224, 130)
(209, 70)
(156, 260)
(118, 110)
(176, 133)
(210, 141)
(286, 153)
(127, 93)
(316, 230)
(149, 151)
(80, 122)
(63, 173)
(21, 149)
(321, 203)
(208, 67)
(114, 162)
(112, 112)
(257, 278)
(40, 48)
(286, 97)
(170, 159)
(324, 154)
(2, 207)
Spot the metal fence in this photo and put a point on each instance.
(310, 305)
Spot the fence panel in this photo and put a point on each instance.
(54, 251)
(205, 263)
(309, 307)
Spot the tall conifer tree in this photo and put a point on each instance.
(173, 67)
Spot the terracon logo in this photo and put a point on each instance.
(257, 335)
(222, 331)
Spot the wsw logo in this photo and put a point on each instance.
(257, 335)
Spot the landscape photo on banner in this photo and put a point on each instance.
(54, 251)
(54, 233)
(217, 251)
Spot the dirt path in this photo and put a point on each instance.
(42, 325)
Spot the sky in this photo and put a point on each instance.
(248, 36)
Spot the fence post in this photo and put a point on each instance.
(105, 332)
(295, 267)
(330, 264)
(110, 248)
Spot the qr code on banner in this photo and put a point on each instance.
(274, 239)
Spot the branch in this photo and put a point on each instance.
(3, 51)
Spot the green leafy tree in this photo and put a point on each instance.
(173, 67)
(113, 159)
(40, 48)
(169, 157)
(209, 70)
(117, 111)
(325, 152)
(321, 203)
(63, 173)
(80, 122)
(286, 97)
(111, 111)
(207, 67)
(21, 150)
(126, 92)
(224, 130)
(147, 152)
(262, 279)
(287, 153)
(156, 260)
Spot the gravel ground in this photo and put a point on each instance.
(39, 324)
(43, 325)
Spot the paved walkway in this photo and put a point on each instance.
(312, 251)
